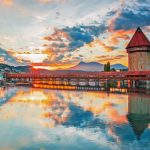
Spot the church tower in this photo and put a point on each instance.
(138, 51)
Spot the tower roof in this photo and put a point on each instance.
(138, 40)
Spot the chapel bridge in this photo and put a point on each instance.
(83, 79)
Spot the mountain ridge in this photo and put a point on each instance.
(95, 66)
(81, 66)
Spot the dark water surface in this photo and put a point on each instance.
(41, 119)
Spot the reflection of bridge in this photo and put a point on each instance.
(128, 78)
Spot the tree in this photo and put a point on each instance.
(108, 66)
(105, 67)
(113, 69)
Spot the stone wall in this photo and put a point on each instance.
(139, 61)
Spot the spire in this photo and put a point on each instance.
(138, 40)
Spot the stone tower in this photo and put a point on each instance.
(138, 51)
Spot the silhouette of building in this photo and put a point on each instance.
(138, 51)
(139, 112)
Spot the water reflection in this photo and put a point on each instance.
(6, 94)
(139, 112)
(40, 118)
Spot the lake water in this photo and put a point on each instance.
(42, 119)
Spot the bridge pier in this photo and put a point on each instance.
(118, 84)
(53, 82)
(123, 83)
(129, 83)
(133, 83)
(107, 84)
(97, 83)
(147, 84)
(137, 84)
(65, 81)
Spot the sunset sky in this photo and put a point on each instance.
(62, 33)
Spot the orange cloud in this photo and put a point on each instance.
(7, 2)
(2, 59)
(101, 44)
(48, 1)
(116, 117)
(58, 35)
(115, 36)
(52, 66)
(116, 57)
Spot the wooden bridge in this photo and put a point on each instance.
(125, 75)
(125, 78)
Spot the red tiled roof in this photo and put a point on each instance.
(139, 39)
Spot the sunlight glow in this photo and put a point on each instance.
(33, 58)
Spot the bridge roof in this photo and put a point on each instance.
(138, 40)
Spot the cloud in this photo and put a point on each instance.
(49, 1)
(118, 56)
(7, 57)
(98, 29)
(7, 2)
(116, 14)
(115, 37)
(105, 58)
(69, 39)
(130, 17)
(102, 45)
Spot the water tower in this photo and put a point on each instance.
(138, 51)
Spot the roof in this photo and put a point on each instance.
(138, 40)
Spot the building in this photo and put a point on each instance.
(138, 51)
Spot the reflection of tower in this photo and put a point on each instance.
(139, 112)
(139, 52)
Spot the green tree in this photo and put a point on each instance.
(113, 69)
(108, 66)
(105, 67)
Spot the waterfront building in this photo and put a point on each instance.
(138, 51)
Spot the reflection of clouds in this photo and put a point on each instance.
(73, 138)
(53, 108)
(7, 2)
(36, 106)
(85, 119)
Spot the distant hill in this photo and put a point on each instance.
(94, 66)
(119, 67)
(91, 66)
(82, 66)
(4, 67)
(23, 68)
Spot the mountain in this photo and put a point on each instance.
(91, 66)
(23, 68)
(8, 68)
(119, 67)
(82, 66)
(94, 66)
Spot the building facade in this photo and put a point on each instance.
(138, 51)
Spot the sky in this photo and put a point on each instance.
(61, 33)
